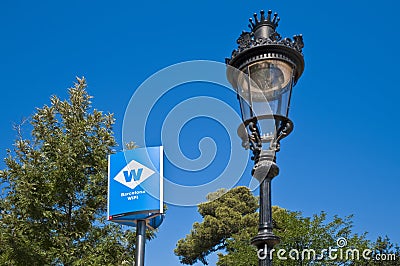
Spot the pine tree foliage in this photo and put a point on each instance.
(54, 187)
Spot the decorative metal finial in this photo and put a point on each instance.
(273, 23)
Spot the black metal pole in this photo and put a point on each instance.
(265, 206)
(140, 242)
(265, 226)
(264, 171)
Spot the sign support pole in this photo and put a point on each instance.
(140, 242)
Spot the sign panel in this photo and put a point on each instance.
(129, 173)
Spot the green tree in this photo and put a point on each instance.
(52, 209)
(223, 217)
(231, 220)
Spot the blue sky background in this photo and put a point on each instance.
(343, 154)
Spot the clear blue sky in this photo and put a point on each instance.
(343, 154)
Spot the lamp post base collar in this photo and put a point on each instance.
(268, 239)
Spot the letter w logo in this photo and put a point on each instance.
(133, 175)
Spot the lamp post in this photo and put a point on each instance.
(263, 70)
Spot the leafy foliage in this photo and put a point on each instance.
(230, 221)
(55, 189)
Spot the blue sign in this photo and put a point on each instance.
(129, 173)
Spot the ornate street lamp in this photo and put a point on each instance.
(263, 70)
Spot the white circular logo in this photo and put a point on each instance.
(341, 242)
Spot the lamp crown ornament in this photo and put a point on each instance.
(264, 21)
(263, 41)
